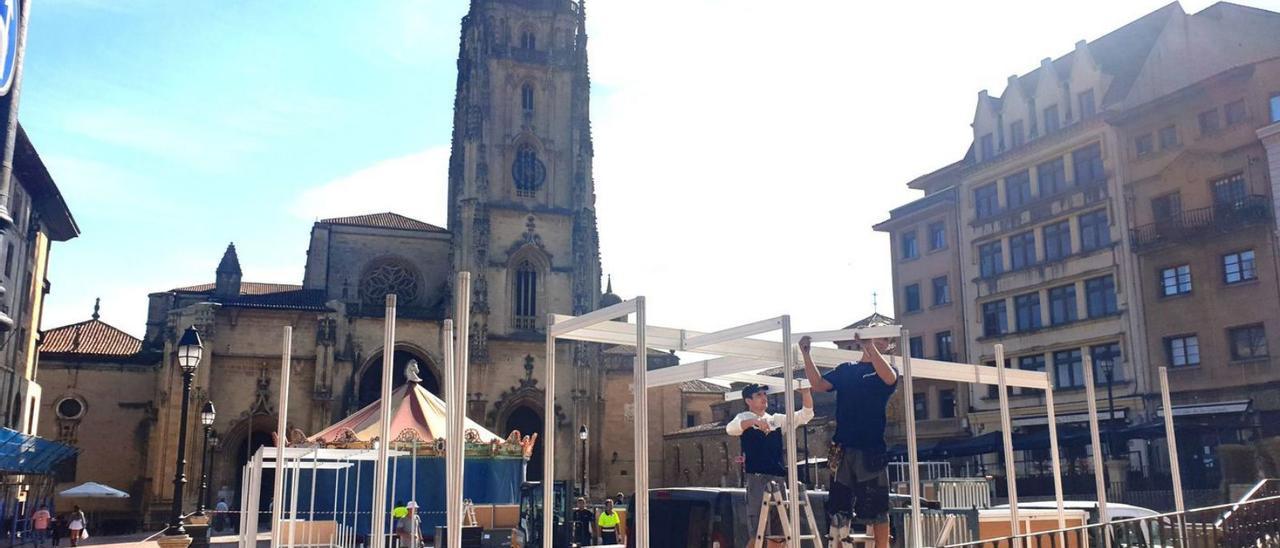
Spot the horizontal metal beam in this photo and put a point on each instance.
(702, 369)
(878, 332)
(773, 384)
(569, 324)
(733, 333)
(770, 352)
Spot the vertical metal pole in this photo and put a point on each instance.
(1055, 458)
(1104, 517)
(378, 519)
(355, 506)
(913, 459)
(641, 398)
(1175, 467)
(450, 367)
(244, 501)
(789, 434)
(549, 438)
(1006, 426)
(311, 507)
(456, 452)
(277, 494)
(293, 501)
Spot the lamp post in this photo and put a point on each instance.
(207, 415)
(582, 435)
(189, 351)
(1108, 370)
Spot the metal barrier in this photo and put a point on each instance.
(937, 527)
(963, 493)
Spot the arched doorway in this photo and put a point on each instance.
(369, 388)
(528, 422)
(243, 452)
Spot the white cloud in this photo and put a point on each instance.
(415, 185)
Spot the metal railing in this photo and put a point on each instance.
(1192, 223)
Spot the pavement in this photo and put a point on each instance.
(148, 540)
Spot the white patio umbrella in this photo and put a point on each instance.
(94, 490)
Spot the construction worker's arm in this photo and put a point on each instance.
(802, 415)
(811, 373)
(743, 421)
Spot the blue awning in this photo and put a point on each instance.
(23, 454)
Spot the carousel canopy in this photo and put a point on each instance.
(414, 411)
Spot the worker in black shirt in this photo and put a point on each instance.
(763, 451)
(583, 520)
(860, 483)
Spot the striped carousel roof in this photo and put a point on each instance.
(414, 410)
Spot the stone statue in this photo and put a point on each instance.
(411, 372)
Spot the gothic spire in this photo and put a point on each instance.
(230, 261)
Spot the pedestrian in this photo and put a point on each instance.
(40, 524)
(77, 526)
(609, 525)
(408, 526)
(761, 435)
(860, 482)
(220, 514)
(583, 518)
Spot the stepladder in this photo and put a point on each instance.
(469, 513)
(775, 503)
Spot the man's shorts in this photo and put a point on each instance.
(859, 489)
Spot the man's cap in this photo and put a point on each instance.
(751, 390)
(411, 505)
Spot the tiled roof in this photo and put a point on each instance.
(297, 299)
(89, 337)
(384, 220)
(876, 319)
(246, 288)
(702, 387)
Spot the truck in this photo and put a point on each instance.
(529, 531)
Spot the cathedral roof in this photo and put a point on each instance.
(265, 295)
(90, 337)
(246, 288)
(384, 220)
(876, 319)
(702, 387)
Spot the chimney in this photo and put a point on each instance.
(227, 283)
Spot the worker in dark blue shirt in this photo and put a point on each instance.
(860, 483)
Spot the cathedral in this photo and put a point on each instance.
(521, 219)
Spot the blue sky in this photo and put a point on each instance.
(743, 147)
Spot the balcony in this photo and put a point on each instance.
(1192, 224)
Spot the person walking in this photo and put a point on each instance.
(609, 524)
(220, 514)
(583, 519)
(409, 526)
(761, 435)
(860, 482)
(76, 526)
(40, 520)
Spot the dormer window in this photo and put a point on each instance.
(1087, 106)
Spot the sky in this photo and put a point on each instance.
(743, 148)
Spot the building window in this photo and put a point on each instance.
(912, 293)
(1022, 250)
(1030, 363)
(528, 171)
(1234, 112)
(988, 146)
(937, 236)
(1103, 355)
(1027, 311)
(1052, 176)
(1062, 304)
(910, 247)
(1015, 129)
(1238, 267)
(70, 408)
(1182, 350)
(1051, 120)
(1167, 208)
(917, 347)
(1209, 122)
(1229, 192)
(1087, 162)
(527, 40)
(1068, 368)
(941, 291)
(995, 319)
(1144, 144)
(1057, 240)
(1087, 106)
(947, 404)
(993, 391)
(991, 259)
(1168, 137)
(526, 98)
(1175, 280)
(919, 401)
(1275, 107)
(1100, 295)
(1094, 231)
(526, 296)
(1248, 342)
(690, 419)
(1017, 189)
(986, 200)
(943, 342)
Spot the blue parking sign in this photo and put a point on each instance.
(9, 18)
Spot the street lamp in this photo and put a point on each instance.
(582, 435)
(207, 415)
(189, 352)
(1108, 370)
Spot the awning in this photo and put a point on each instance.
(23, 454)
(1211, 408)
(1067, 418)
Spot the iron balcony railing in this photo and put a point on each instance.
(1195, 223)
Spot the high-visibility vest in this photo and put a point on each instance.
(608, 522)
